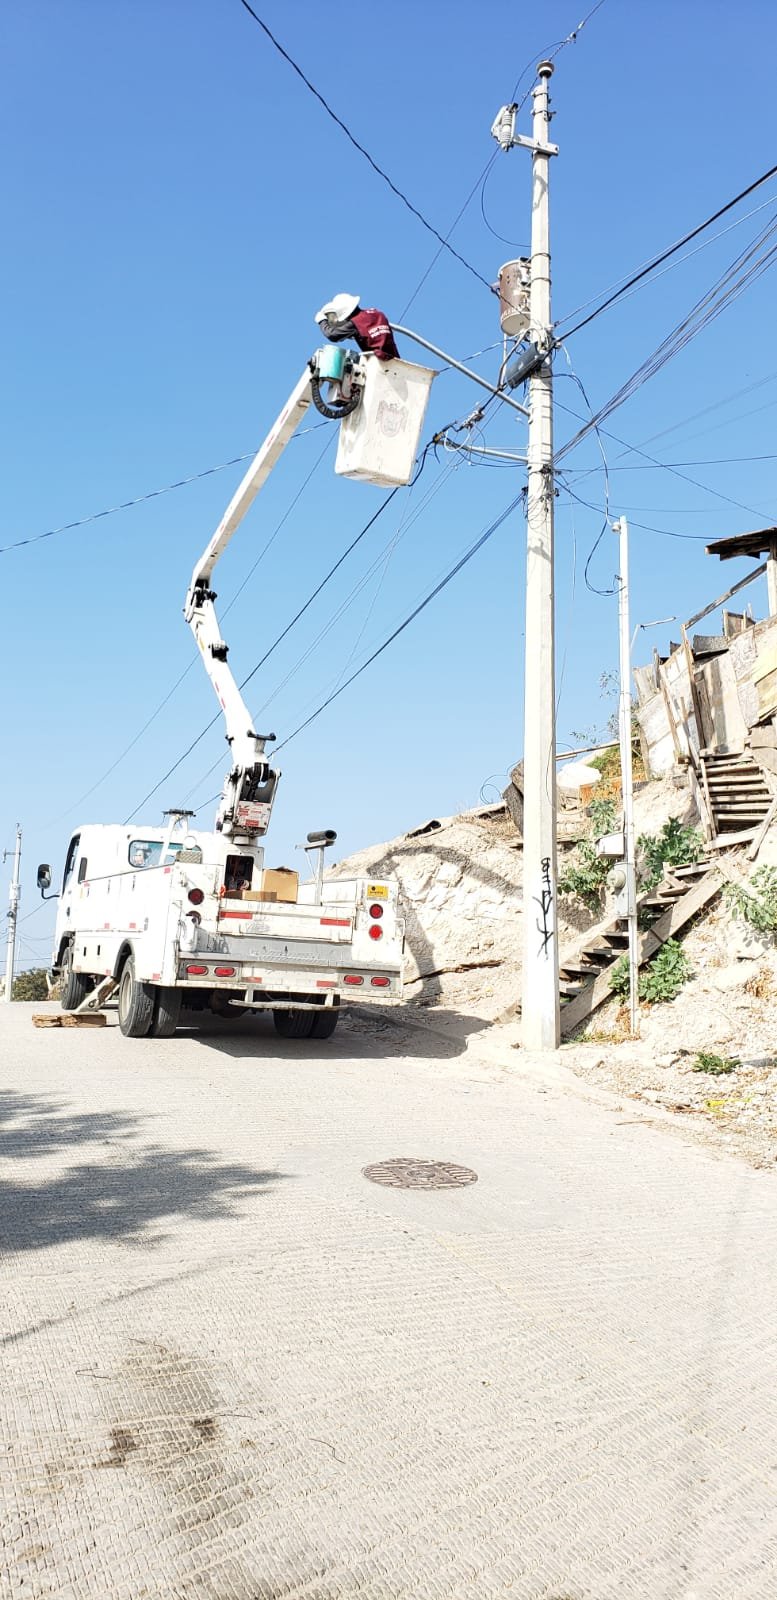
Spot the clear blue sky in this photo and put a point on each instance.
(176, 208)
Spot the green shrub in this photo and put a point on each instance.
(662, 978)
(707, 1061)
(586, 873)
(31, 985)
(756, 904)
(675, 845)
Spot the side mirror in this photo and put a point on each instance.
(44, 876)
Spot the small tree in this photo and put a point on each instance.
(31, 985)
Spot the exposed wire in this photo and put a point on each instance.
(361, 148)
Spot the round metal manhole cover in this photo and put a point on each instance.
(408, 1172)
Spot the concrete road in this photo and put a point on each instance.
(234, 1369)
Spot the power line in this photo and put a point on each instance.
(666, 466)
(140, 499)
(409, 517)
(361, 148)
(743, 271)
(282, 635)
(473, 550)
(664, 255)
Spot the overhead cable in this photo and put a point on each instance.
(462, 562)
(743, 271)
(282, 635)
(343, 126)
(664, 255)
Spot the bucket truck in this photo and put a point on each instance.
(173, 919)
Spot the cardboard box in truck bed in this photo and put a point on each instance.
(275, 883)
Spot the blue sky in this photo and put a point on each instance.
(177, 207)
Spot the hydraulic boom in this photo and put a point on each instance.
(249, 788)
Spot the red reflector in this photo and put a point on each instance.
(376, 932)
(197, 972)
(351, 977)
(196, 896)
(376, 912)
(380, 983)
(335, 922)
(224, 972)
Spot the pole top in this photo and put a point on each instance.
(545, 69)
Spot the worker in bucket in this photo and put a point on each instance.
(343, 318)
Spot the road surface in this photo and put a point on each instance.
(235, 1369)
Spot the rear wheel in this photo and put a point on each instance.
(75, 986)
(167, 1012)
(293, 1024)
(136, 1003)
(324, 1023)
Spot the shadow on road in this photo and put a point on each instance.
(431, 1037)
(121, 1194)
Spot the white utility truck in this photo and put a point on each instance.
(173, 917)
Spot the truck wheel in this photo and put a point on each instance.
(136, 1003)
(75, 985)
(324, 1023)
(167, 1011)
(293, 1024)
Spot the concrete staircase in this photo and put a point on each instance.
(585, 979)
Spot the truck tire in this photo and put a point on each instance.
(167, 1012)
(293, 1024)
(325, 1022)
(75, 986)
(136, 1003)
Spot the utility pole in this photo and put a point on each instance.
(540, 1000)
(627, 783)
(13, 912)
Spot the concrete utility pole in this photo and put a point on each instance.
(624, 723)
(540, 1000)
(13, 912)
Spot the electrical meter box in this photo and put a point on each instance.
(379, 440)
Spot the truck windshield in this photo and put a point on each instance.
(148, 852)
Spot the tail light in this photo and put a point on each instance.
(352, 977)
(380, 983)
(376, 932)
(376, 912)
(224, 972)
(196, 897)
(197, 972)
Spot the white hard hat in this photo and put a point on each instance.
(339, 309)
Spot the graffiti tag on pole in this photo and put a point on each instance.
(545, 902)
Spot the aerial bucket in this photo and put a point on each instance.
(379, 440)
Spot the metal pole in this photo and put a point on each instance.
(540, 1000)
(627, 782)
(451, 361)
(13, 912)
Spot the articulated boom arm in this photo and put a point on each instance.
(249, 789)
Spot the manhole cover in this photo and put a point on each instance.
(408, 1172)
